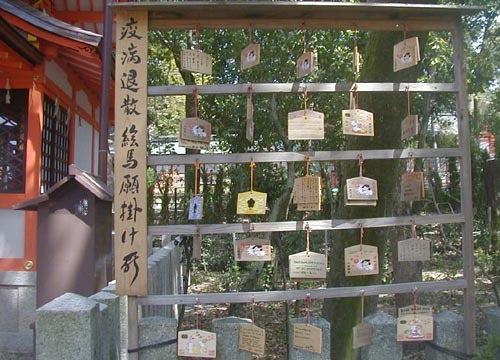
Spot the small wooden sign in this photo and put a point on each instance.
(308, 337)
(309, 207)
(406, 54)
(415, 327)
(251, 203)
(196, 343)
(250, 56)
(361, 188)
(414, 250)
(362, 335)
(357, 122)
(196, 129)
(307, 189)
(409, 126)
(361, 260)
(306, 64)
(252, 339)
(250, 128)
(412, 186)
(348, 202)
(195, 208)
(306, 125)
(196, 61)
(415, 309)
(253, 249)
(307, 266)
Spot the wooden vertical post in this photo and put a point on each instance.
(133, 327)
(465, 188)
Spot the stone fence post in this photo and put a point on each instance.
(67, 328)
(384, 345)
(228, 337)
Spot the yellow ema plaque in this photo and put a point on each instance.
(251, 203)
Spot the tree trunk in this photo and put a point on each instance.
(389, 109)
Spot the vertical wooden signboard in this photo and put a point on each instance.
(130, 157)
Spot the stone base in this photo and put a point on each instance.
(16, 346)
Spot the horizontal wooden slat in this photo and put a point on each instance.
(268, 88)
(289, 295)
(297, 15)
(262, 157)
(314, 225)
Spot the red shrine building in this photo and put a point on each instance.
(50, 95)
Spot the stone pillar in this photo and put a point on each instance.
(157, 330)
(66, 328)
(299, 354)
(492, 320)
(228, 337)
(385, 345)
(448, 334)
(111, 322)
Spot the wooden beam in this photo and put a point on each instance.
(314, 225)
(263, 88)
(290, 295)
(276, 157)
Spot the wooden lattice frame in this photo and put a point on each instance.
(321, 15)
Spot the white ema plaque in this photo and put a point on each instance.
(306, 125)
(308, 266)
(361, 188)
(196, 61)
(307, 63)
(414, 250)
(250, 56)
(195, 208)
(253, 249)
(308, 337)
(406, 54)
(357, 122)
(195, 133)
(361, 260)
(196, 343)
(415, 323)
(409, 126)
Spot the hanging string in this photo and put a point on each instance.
(249, 36)
(305, 99)
(195, 102)
(362, 305)
(308, 163)
(308, 309)
(414, 292)
(407, 89)
(196, 307)
(305, 33)
(354, 97)
(252, 309)
(413, 230)
(252, 165)
(308, 229)
(360, 164)
(405, 30)
(355, 57)
(411, 162)
(361, 234)
(197, 35)
(196, 173)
